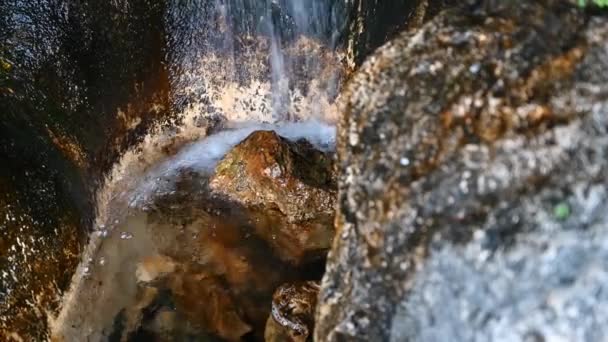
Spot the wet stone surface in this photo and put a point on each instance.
(68, 112)
(288, 188)
(83, 85)
(200, 265)
(292, 315)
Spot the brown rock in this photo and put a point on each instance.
(288, 189)
(208, 304)
(153, 267)
(292, 317)
(214, 275)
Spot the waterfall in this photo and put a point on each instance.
(234, 66)
(244, 60)
(250, 65)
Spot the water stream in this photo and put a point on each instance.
(235, 67)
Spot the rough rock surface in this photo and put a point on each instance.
(289, 188)
(292, 315)
(473, 168)
(256, 61)
(202, 263)
(68, 112)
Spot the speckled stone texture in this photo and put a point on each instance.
(472, 196)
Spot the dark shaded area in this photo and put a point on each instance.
(373, 23)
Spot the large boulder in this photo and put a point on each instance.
(288, 189)
(473, 172)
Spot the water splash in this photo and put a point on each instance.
(203, 155)
(263, 60)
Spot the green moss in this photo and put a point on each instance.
(599, 3)
(561, 211)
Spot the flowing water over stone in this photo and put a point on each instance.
(169, 258)
(180, 155)
(255, 60)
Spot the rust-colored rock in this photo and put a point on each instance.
(288, 189)
(208, 303)
(213, 277)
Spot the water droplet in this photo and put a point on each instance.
(404, 161)
(353, 139)
(474, 68)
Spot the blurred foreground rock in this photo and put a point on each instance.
(472, 192)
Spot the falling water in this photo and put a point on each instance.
(235, 66)
(263, 61)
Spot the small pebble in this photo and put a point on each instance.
(126, 236)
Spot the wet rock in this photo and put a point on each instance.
(39, 247)
(68, 114)
(373, 23)
(292, 315)
(460, 146)
(194, 268)
(264, 61)
(209, 304)
(152, 268)
(288, 188)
